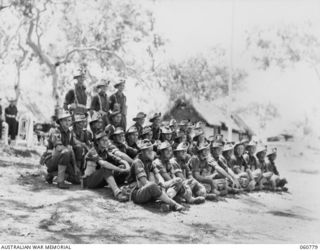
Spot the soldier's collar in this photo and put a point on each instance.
(81, 86)
(101, 150)
(144, 160)
(63, 130)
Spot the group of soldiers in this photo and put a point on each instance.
(151, 160)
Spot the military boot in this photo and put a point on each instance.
(61, 177)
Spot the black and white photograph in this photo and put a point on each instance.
(159, 122)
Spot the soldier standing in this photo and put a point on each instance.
(76, 98)
(11, 114)
(100, 102)
(118, 102)
(155, 120)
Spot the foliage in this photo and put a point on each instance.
(284, 46)
(201, 77)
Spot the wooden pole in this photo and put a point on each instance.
(229, 107)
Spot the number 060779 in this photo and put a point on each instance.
(314, 247)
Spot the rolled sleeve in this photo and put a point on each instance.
(92, 155)
(194, 164)
(138, 168)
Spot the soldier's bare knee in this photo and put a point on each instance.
(154, 189)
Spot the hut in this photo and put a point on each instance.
(215, 119)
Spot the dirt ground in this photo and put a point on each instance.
(32, 211)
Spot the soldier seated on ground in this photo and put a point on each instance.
(276, 181)
(118, 139)
(195, 191)
(173, 125)
(173, 184)
(180, 137)
(197, 139)
(146, 189)
(182, 125)
(259, 175)
(115, 119)
(146, 133)
(139, 122)
(59, 157)
(166, 135)
(225, 160)
(132, 137)
(102, 167)
(221, 169)
(240, 168)
(96, 122)
(252, 163)
(83, 139)
(202, 168)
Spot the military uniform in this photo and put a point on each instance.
(11, 114)
(238, 164)
(60, 144)
(118, 101)
(271, 167)
(251, 161)
(226, 160)
(113, 123)
(96, 123)
(83, 142)
(221, 161)
(201, 166)
(139, 128)
(132, 142)
(123, 147)
(182, 165)
(100, 103)
(94, 177)
(262, 165)
(150, 191)
(156, 131)
(204, 168)
(195, 186)
(76, 99)
(139, 121)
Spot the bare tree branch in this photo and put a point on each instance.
(8, 43)
(44, 58)
(19, 63)
(96, 50)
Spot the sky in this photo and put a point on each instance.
(194, 26)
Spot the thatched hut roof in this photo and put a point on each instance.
(207, 112)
